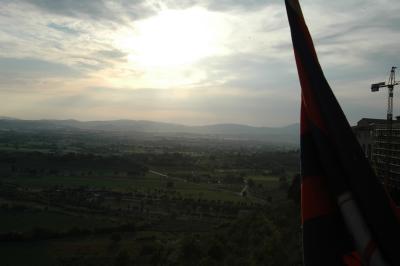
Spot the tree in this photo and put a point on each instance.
(170, 184)
(122, 258)
(216, 250)
(116, 238)
(283, 183)
(250, 183)
(190, 249)
(294, 190)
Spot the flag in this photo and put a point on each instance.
(347, 216)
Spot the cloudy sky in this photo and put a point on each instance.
(188, 61)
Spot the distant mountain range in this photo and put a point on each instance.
(286, 134)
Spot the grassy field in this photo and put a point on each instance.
(74, 250)
(15, 220)
(267, 181)
(101, 249)
(26, 254)
(148, 182)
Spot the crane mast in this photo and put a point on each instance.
(390, 85)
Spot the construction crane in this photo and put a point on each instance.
(390, 85)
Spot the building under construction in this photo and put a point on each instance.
(382, 148)
(380, 140)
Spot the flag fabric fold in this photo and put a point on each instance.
(347, 216)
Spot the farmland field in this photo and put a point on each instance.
(150, 181)
(16, 220)
(157, 202)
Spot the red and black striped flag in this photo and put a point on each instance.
(347, 217)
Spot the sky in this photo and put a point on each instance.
(191, 62)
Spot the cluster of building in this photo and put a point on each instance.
(381, 146)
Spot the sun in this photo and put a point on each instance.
(173, 38)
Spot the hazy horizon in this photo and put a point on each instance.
(166, 122)
(188, 62)
(145, 120)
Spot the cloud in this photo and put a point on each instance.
(27, 74)
(91, 9)
(31, 66)
(220, 5)
(99, 60)
(49, 44)
(62, 28)
(206, 106)
(114, 54)
(117, 11)
(242, 5)
(250, 71)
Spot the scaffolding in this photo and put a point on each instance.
(386, 155)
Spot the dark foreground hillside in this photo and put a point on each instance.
(98, 199)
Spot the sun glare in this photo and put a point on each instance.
(173, 38)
